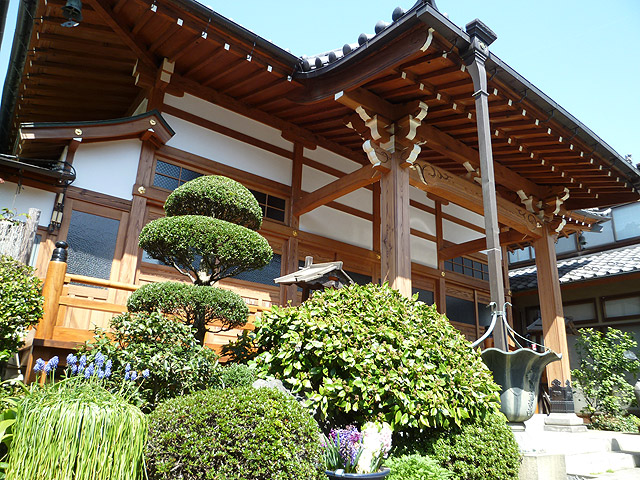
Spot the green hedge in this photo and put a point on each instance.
(207, 248)
(236, 434)
(216, 196)
(416, 467)
(367, 353)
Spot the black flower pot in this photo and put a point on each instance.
(363, 476)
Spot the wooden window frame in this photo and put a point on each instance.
(608, 319)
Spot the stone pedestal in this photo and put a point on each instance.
(543, 467)
(564, 422)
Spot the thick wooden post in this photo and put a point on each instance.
(51, 290)
(395, 231)
(553, 326)
(475, 56)
(291, 249)
(440, 294)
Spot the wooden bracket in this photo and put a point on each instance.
(379, 157)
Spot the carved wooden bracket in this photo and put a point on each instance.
(377, 155)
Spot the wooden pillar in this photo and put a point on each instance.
(553, 326)
(440, 295)
(51, 290)
(395, 230)
(375, 273)
(291, 247)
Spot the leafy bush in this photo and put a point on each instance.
(218, 197)
(234, 376)
(483, 449)
(177, 364)
(367, 353)
(605, 359)
(617, 423)
(76, 431)
(196, 305)
(416, 467)
(240, 434)
(20, 304)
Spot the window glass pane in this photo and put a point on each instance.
(468, 271)
(448, 265)
(274, 214)
(484, 314)
(165, 182)
(34, 250)
(594, 239)
(462, 311)
(260, 197)
(477, 274)
(276, 202)
(622, 307)
(92, 244)
(626, 221)
(566, 244)
(187, 175)
(467, 262)
(424, 295)
(167, 169)
(265, 275)
(520, 255)
(580, 312)
(359, 278)
(457, 268)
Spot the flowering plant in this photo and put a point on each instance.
(348, 450)
(99, 368)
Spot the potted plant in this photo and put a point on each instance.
(351, 453)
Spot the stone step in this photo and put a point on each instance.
(594, 464)
(626, 474)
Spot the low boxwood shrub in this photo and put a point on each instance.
(482, 449)
(615, 423)
(365, 353)
(239, 434)
(416, 467)
(20, 304)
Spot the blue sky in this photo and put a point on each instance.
(583, 54)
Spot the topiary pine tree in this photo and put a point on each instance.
(209, 234)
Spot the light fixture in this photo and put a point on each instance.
(72, 11)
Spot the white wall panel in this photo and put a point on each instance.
(423, 221)
(331, 159)
(419, 196)
(338, 225)
(28, 197)
(464, 214)
(457, 233)
(217, 114)
(108, 167)
(424, 252)
(220, 148)
(313, 179)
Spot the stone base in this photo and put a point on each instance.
(516, 426)
(564, 422)
(543, 467)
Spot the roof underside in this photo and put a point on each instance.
(85, 73)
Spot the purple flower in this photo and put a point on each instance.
(107, 372)
(99, 359)
(71, 360)
(51, 365)
(108, 365)
(127, 368)
(74, 369)
(82, 364)
(349, 442)
(89, 371)
(100, 374)
(134, 375)
(39, 365)
(145, 373)
(127, 375)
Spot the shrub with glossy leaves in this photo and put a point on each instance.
(204, 248)
(367, 353)
(196, 305)
(20, 304)
(240, 434)
(416, 467)
(218, 197)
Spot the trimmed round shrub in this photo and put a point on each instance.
(240, 434)
(484, 449)
(218, 197)
(416, 467)
(21, 303)
(364, 353)
(196, 305)
(208, 249)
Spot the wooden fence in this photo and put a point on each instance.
(75, 305)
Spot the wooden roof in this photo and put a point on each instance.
(85, 73)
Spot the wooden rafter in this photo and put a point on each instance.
(473, 246)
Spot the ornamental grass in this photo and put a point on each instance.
(76, 430)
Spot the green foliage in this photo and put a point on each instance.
(416, 467)
(9, 409)
(196, 305)
(365, 353)
(243, 349)
(204, 248)
(218, 197)
(617, 423)
(605, 359)
(20, 304)
(234, 375)
(483, 449)
(74, 431)
(177, 364)
(239, 434)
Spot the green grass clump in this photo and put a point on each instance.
(76, 431)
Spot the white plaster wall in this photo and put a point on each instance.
(108, 167)
(419, 196)
(423, 221)
(331, 159)
(226, 150)
(222, 116)
(457, 233)
(338, 225)
(312, 179)
(28, 197)
(463, 214)
(424, 252)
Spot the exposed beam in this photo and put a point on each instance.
(344, 185)
(473, 246)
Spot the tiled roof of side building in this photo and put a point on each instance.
(587, 267)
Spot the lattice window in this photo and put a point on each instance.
(468, 267)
